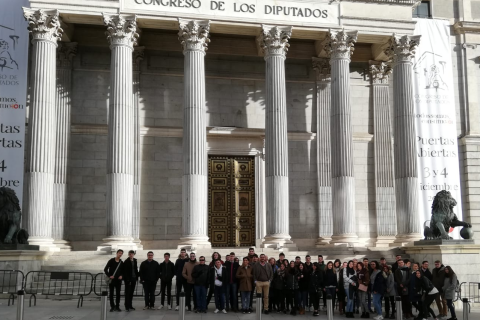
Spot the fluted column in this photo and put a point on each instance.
(260, 214)
(65, 53)
(122, 36)
(193, 36)
(401, 51)
(44, 26)
(273, 41)
(384, 183)
(339, 47)
(324, 173)
(138, 53)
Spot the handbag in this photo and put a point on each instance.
(108, 280)
(362, 287)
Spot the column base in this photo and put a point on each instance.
(193, 243)
(63, 245)
(138, 243)
(322, 241)
(279, 241)
(402, 240)
(45, 244)
(112, 244)
(384, 241)
(348, 239)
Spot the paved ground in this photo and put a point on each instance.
(47, 309)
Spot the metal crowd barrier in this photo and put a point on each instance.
(52, 283)
(99, 286)
(471, 292)
(11, 281)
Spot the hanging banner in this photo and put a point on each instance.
(436, 130)
(14, 39)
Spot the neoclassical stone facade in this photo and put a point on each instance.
(133, 99)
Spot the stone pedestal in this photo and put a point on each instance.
(273, 42)
(122, 36)
(193, 36)
(44, 26)
(462, 255)
(402, 50)
(339, 47)
(25, 260)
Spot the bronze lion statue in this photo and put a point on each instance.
(10, 217)
(443, 217)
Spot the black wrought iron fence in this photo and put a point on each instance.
(100, 285)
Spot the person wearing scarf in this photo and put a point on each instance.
(278, 286)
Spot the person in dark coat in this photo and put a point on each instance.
(215, 256)
(414, 296)
(149, 273)
(180, 281)
(130, 278)
(425, 271)
(426, 288)
(167, 271)
(438, 279)
(330, 282)
(278, 287)
(218, 280)
(291, 289)
(378, 279)
(402, 279)
(113, 270)
(315, 287)
(231, 292)
(200, 274)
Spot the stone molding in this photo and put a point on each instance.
(339, 44)
(121, 29)
(43, 24)
(65, 53)
(273, 40)
(402, 48)
(194, 34)
(322, 68)
(379, 72)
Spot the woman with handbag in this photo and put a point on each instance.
(363, 282)
(113, 272)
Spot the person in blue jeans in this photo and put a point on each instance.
(200, 274)
(218, 276)
(349, 279)
(330, 282)
(378, 279)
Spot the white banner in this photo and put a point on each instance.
(14, 39)
(305, 12)
(438, 167)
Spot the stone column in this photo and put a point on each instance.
(122, 36)
(274, 43)
(384, 183)
(339, 47)
(402, 50)
(193, 36)
(324, 172)
(65, 53)
(260, 217)
(44, 26)
(138, 53)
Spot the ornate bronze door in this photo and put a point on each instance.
(231, 201)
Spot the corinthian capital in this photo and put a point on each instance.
(121, 29)
(339, 44)
(193, 34)
(379, 72)
(402, 48)
(65, 53)
(43, 24)
(322, 68)
(274, 40)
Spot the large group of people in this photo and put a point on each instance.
(293, 287)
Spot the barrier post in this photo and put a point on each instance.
(103, 305)
(465, 308)
(181, 309)
(329, 307)
(258, 311)
(398, 306)
(20, 303)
